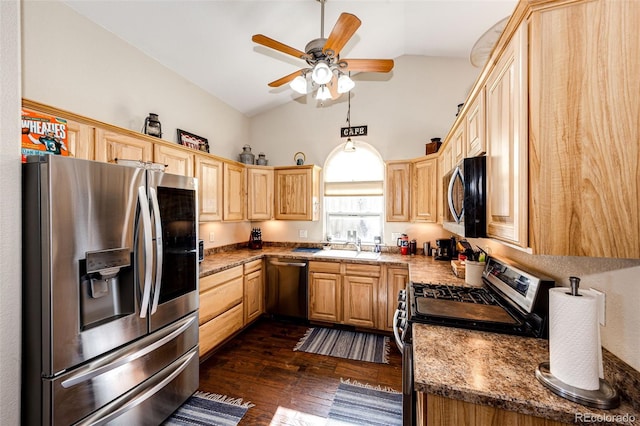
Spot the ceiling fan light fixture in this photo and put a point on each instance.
(299, 84)
(323, 93)
(345, 84)
(321, 73)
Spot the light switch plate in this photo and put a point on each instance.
(302, 233)
(601, 313)
(212, 236)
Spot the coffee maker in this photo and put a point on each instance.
(444, 249)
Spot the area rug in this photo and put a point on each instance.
(362, 404)
(204, 409)
(345, 344)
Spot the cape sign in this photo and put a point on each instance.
(346, 132)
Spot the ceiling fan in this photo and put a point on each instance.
(328, 71)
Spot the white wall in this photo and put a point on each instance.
(10, 254)
(72, 64)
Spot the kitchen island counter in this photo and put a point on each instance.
(498, 370)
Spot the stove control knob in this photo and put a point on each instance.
(402, 306)
(402, 295)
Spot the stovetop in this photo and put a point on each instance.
(497, 306)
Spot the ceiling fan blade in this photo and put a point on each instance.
(368, 65)
(287, 78)
(345, 28)
(276, 45)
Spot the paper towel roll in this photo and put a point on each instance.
(575, 352)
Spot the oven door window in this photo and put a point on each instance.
(455, 196)
(178, 216)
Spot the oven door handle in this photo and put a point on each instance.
(396, 331)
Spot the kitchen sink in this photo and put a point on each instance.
(347, 254)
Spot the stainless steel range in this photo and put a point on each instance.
(511, 301)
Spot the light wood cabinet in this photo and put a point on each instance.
(259, 193)
(253, 291)
(233, 203)
(221, 310)
(507, 179)
(325, 291)
(476, 141)
(344, 293)
(178, 161)
(297, 193)
(584, 130)
(459, 143)
(397, 191)
(435, 410)
(209, 174)
(111, 146)
(397, 279)
(80, 140)
(424, 190)
(360, 294)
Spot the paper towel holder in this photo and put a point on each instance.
(604, 398)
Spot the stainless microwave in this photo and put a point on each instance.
(464, 190)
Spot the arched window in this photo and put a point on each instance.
(353, 194)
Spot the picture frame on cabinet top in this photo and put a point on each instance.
(193, 141)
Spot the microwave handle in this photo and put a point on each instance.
(454, 175)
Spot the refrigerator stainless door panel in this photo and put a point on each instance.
(176, 281)
(83, 311)
(97, 384)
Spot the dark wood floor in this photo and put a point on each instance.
(287, 387)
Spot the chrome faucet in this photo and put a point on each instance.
(357, 244)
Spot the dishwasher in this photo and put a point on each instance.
(286, 290)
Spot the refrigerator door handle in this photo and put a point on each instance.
(118, 359)
(148, 247)
(130, 400)
(156, 214)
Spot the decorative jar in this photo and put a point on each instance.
(246, 156)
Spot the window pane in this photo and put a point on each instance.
(360, 165)
(362, 214)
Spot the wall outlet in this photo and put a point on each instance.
(212, 237)
(302, 233)
(600, 296)
(395, 236)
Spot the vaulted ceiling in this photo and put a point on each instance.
(208, 42)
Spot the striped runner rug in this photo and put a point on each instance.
(362, 404)
(205, 409)
(345, 344)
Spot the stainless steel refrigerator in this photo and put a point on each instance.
(110, 283)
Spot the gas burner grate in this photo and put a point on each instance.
(476, 295)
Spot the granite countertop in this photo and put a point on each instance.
(497, 370)
(421, 268)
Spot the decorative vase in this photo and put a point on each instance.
(262, 161)
(246, 156)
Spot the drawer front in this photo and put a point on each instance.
(220, 277)
(254, 265)
(362, 270)
(327, 267)
(214, 332)
(220, 298)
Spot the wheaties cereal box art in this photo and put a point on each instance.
(43, 134)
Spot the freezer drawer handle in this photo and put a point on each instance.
(118, 359)
(128, 400)
(148, 244)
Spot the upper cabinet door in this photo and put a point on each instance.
(234, 192)
(397, 192)
(111, 146)
(297, 193)
(259, 193)
(177, 161)
(209, 174)
(507, 156)
(424, 192)
(475, 120)
(80, 140)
